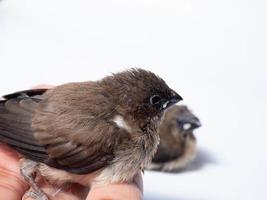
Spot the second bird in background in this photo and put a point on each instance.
(177, 146)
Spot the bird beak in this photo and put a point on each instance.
(190, 122)
(195, 123)
(175, 98)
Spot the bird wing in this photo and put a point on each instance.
(16, 113)
(39, 130)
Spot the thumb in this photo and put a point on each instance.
(122, 191)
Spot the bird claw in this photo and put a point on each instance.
(28, 171)
(38, 195)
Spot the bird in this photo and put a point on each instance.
(108, 127)
(177, 146)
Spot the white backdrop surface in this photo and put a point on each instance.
(213, 53)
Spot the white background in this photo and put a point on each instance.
(213, 53)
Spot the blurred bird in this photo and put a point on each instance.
(108, 127)
(177, 146)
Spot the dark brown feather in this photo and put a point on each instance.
(31, 93)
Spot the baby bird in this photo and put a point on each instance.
(107, 127)
(177, 146)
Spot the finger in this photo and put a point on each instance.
(42, 86)
(115, 191)
(9, 158)
(131, 191)
(12, 185)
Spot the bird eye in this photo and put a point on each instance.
(155, 99)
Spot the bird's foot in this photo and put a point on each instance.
(32, 193)
(28, 171)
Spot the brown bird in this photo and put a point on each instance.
(107, 127)
(177, 146)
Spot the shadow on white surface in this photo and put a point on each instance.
(203, 157)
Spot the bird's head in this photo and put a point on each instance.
(140, 94)
(181, 119)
